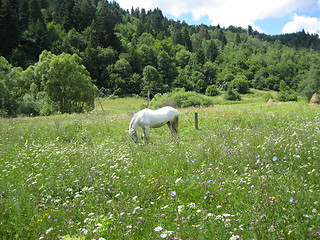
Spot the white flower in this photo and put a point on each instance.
(49, 230)
(158, 229)
(178, 179)
(192, 205)
(210, 215)
(234, 237)
(163, 235)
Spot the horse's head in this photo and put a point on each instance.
(133, 134)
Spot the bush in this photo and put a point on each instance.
(232, 95)
(35, 106)
(241, 85)
(212, 90)
(181, 99)
(286, 93)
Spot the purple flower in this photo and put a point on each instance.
(291, 199)
(173, 193)
(275, 158)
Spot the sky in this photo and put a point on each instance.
(272, 17)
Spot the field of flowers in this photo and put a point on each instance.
(250, 172)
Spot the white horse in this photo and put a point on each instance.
(147, 119)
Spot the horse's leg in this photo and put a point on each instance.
(170, 125)
(146, 133)
(173, 125)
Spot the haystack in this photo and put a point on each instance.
(315, 99)
(270, 102)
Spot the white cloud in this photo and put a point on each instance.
(309, 24)
(224, 12)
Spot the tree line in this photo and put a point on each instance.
(57, 55)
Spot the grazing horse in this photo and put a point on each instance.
(148, 118)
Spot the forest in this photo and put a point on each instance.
(58, 55)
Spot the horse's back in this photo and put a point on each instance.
(157, 118)
(169, 110)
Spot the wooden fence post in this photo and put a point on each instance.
(196, 120)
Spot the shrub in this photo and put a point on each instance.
(181, 99)
(232, 95)
(241, 85)
(212, 90)
(286, 93)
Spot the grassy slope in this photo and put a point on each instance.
(250, 171)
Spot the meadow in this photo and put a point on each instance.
(251, 171)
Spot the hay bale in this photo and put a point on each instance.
(315, 99)
(270, 102)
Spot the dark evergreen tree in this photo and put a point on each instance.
(104, 33)
(9, 26)
(212, 51)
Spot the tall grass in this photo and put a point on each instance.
(250, 172)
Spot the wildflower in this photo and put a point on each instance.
(158, 229)
(291, 199)
(275, 158)
(173, 193)
(163, 235)
(177, 180)
(49, 230)
(234, 237)
(192, 205)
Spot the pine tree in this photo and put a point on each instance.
(9, 26)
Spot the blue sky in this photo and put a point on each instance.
(270, 17)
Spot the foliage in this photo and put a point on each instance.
(231, 94)
(286, 93)
(119, 49)
(55, 83)
(181, 99)
(69, 85)
(311, 84)
(212, 90)
(250, 172)
(240, 84)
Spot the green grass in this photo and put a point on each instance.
(250, 172)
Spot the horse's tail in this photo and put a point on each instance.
(175, 124)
